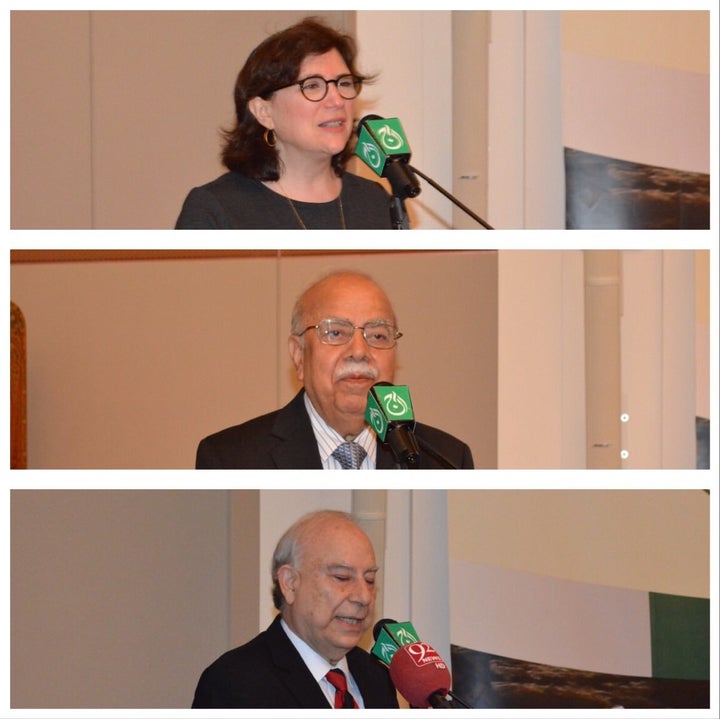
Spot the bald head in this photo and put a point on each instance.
(315, 295)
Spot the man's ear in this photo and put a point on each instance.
(262, 111)
(295, 346)
(287, 578)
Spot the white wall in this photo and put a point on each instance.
(541, 378)
(542, 423)
(412, 52)
(658, 359)
(526, 176)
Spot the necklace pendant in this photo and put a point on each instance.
(300, 220)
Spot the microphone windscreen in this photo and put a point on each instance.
(365, 120)
(380, 624)
(418, 672)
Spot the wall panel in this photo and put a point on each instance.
(118, 598)
(51, 120)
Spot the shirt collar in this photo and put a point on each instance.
(328, 439)
(318, 666)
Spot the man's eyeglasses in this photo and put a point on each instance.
(379, 334)
(315, 87)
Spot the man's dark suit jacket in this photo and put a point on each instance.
(284, 439)
(269, 673)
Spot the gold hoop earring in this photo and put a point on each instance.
(266, 137)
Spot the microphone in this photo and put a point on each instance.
(389, 635)
(420, 675)
(380, 625)
(418, 672)
(383, 147)
(389, 412)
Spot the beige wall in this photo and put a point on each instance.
(702, 333)
(130, 109)
(118, 598)
(116, 115)
(636, 86)
(655, 541)
(671, 39)
(131, 363)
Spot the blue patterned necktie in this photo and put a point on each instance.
(350, 455)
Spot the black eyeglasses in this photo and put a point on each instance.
(379, 333)
(315, 87)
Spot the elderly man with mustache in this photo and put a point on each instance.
(343, 340)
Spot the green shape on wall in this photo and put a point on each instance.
(680, 632)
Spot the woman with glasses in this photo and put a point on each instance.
(287, 154)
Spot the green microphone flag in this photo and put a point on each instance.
(386, 404)
(381, 140)
(391, 638)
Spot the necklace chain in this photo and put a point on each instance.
(297, 214)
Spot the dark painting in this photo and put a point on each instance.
(489, 681)
(606, 193)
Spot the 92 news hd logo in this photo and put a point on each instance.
(423, 654)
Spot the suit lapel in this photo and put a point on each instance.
(297, 448)
(374, 692)
(366, 686)
(292, 670)
(384, 458)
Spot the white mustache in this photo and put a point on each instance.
(357, 369)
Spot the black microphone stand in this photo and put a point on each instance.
(404, 446)
(404, 184)
(457, 202)
(444, 461)
(398, 214)
(447, 701)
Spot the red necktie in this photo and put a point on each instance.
(343, 698)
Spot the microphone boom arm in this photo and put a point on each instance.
(457, 699)
(444, 461)
(452, 199)
(447, 701)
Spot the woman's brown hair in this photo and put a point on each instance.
(274, 64)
